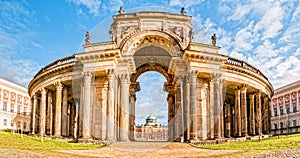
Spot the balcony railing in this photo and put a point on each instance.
(239, 63)
(58, 62)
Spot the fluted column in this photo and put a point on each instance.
(228, 120)
(179, 101)
(64, 120)
(237, 114)
(202, 111)
(211, 110)
(57, 124)
(193, 105)
(49, 113)
(43, 112)
(252, 115)
(266, 115)
(86, 109)
(244, 110)
(110, 106)
(258, 113)
(33, 113)
(170, 117)
(76, 119)
(124, 113)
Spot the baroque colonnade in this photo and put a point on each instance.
(91, 95)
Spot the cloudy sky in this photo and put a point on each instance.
(265, 33)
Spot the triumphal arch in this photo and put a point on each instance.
(91, 95)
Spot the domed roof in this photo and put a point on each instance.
(150, 117)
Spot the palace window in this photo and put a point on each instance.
(12, 107)
(275, 112)
(281, 127)
(19, 109)
(294, 107)
(13, 97)
(5, 106)
(287, 109)
(281, 110)
(5, 95)
(5, 122)
(287, 99)
(275, 126)
(294, 123)
(25, 110)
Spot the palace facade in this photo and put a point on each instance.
(91, 95)
(285, 109)
(151, 130)
(15, 107)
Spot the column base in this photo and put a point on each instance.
(124, 140)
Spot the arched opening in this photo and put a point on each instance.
(151, 108)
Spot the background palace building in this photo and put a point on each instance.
(91, 95)
(285, 109)
(14, 106)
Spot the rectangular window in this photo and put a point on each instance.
(281, 127)
(281, 110)
(19, 109)
(294, 107)
(275, 112)
(25, 111)
(5, 106)
(275, 126)
(12, 107)
(287, 109)
(5, 122)
(294, 123)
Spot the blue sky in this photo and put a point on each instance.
(264, 33)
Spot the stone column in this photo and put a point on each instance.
(202, 111)
(132, 115)
(170, 118)
(193, 105)
(237, 114)
(43, 112)
(266, 114)
(64, 116)
(252, 115)
(221, 108)
(57, 132)
(124, 113)
(258, 113)
(103, 105)
(187, 112)
(228, 121)
(49, 113)
(217, 107)
(110, 106)
(179, 101)
(75, 134)
(86, 109)
(244, 110)
(33, 113)
(211, 110)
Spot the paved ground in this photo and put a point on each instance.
(148, 149)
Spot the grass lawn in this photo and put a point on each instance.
(9, 141)
(272, 143)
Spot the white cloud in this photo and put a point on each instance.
(92, 5)
(185, 3)
(112, 6)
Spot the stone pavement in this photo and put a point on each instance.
(148, 149)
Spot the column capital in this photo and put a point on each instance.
(244, 86)
(193, 73)
(87, 75)
(111, 73)
(124, 77)
(58, 85)
(43, 91)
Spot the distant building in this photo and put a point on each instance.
(151, 130)
(14, 106)
(285, 109)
